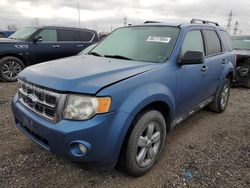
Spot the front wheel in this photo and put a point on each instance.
(145, 143)
(10, 67)
(221, 98)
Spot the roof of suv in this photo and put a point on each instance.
(63, 27)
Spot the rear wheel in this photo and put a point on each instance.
(145, 143)
(221, 98)
(10, 67)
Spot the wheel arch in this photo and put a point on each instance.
(16, 56)
(230, 76)
(160, 106)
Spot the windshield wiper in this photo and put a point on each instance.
(95, 54)
(118, 57)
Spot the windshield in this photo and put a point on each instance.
(23, 33)
(241, 42)
(144, 43)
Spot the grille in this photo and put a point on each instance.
(40, 101)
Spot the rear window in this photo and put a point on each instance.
(67, 35)
(227, 41)
(85, 36)
(213, 42)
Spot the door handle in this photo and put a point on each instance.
(79, 45)
(204, 68)
(56, 46)
(223, 61)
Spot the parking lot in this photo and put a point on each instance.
(208, 150)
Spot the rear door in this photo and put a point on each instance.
(215, 59)
(86, 38)
(69, 42)
(191, 79)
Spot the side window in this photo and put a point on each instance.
(226, 40)
(213, 42)
(193, 42)
(48, 35)
(85, 36)
(67, 35)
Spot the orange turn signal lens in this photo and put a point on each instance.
(103, 104)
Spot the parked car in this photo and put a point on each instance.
(88, 49)
(120, 100)
(241, 45)
(6, 34)
(102, 35)
(34, 45)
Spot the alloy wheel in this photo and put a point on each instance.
(148, 144)
(11, 69)
(224, 96)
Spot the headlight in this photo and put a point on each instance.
(80, 107)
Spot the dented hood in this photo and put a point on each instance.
(83, 74)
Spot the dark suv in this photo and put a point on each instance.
(33, 45)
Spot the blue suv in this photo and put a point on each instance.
(117, 102)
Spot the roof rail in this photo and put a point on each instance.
(194, 20)
(146, 22)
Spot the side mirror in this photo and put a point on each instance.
(37, 38)
(191, 57)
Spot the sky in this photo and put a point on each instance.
(105, 15)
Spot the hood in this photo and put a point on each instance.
(8, 40)
(83, 74)
(242, 52)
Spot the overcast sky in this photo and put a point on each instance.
(102, 15)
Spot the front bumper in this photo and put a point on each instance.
(104, 134)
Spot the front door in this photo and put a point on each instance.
(46, 49)
(191, 79)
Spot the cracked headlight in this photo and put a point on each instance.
(80, 107)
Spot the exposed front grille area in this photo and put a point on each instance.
(39, 138)
(40, 101)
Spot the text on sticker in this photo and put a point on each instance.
(158, 39)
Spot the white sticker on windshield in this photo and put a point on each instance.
(158, 39)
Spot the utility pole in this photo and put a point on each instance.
(79, 16)
(236, 27)
(229, 21)
(125, 19)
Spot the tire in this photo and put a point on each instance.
(247, 85)
(9, 68)
(141, 154)
(221, 97)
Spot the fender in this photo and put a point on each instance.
(13, 53)
(228, 68)
(133, 104)
(147, 94)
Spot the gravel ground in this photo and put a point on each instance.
(208, 150)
